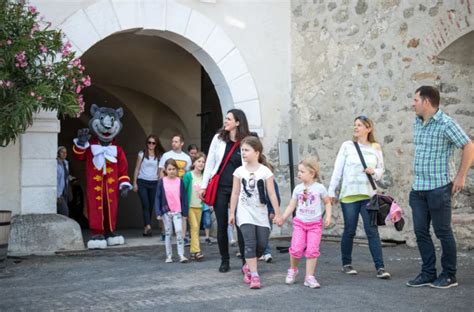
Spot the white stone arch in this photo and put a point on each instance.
(185, 26)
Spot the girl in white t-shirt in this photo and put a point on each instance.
(307, 223)
(250, 183)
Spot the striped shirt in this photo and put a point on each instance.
(434, 149)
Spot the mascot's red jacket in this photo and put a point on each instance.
(106, 172)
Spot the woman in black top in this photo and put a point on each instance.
(235, 129)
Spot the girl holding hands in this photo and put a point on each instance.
(307, 199)
(250, 183)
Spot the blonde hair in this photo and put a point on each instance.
(368, 123)
(312, 164)
(196, 157)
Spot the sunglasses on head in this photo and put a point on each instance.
(363, 118)
(151, 142)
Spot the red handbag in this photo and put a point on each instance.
(211, 191)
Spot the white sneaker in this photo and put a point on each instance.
(268, 258)
(169, 259)
(291, 276)
(262, 258)
(311, 282)
(183, 259)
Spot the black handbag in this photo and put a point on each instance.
(379, 205)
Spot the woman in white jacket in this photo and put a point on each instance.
(356, 191)
(234, 130)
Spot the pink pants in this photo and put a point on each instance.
(306, 235)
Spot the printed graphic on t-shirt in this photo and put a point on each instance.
(308, 203)
(181, 167)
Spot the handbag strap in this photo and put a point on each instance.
(365, 165)
(228, 156)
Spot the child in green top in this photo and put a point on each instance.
(192, 183)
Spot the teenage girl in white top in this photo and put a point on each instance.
(252, 181)
(145, 179)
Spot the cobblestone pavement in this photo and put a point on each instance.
(137, 279)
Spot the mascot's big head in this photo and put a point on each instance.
(105, 122)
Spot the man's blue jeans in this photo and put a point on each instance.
(351, 213)
(434, 207)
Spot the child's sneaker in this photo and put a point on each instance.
(169, 259)
(291, 276)
(183, 259)
(255, 282)
(311, 282)
(246, 273)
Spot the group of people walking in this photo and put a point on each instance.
(246, 189)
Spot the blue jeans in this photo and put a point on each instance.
(206, 219)
(147, 193)
(351, 213)
(434, 207)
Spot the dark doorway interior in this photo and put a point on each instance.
(211, 114)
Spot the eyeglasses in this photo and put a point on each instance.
(151, 142)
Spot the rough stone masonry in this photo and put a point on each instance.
(357, 57)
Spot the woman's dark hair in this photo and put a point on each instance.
(242, 129)
(146, 154)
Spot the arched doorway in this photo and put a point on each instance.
(163, 90)
(179, 77)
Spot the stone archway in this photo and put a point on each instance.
(188, 28)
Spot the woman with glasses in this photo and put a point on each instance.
(356, 191)
(145, 179)
(234, 130)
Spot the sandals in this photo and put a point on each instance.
(197, 256)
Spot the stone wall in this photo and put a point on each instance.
(358, 57)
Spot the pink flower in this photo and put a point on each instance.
(32, 9)
(34, 29)
(66, 49)
(87, 81)
(21, 59)
(81, 103)
(39, 97)
(76, 62)
(32, 94)
(9, 42)
(43, 49)
(78, 89)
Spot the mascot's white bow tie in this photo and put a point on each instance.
(101, 153)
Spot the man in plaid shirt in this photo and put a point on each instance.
(436, 135)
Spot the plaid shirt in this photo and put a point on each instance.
(434, 148)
